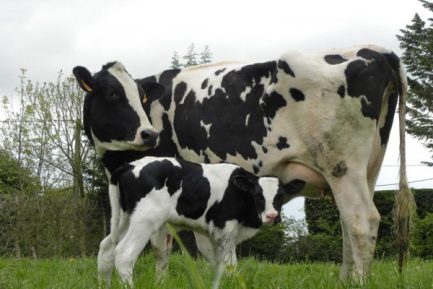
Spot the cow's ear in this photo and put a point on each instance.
(294, 187)
(243, 183)
(153, 90)
(84, 78)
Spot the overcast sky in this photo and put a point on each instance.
(48, 36)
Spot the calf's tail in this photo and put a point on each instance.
(118, 172)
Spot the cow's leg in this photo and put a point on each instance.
(145, 221)
(205, 247)
(360, 220)
(162, 242)
(347, 254)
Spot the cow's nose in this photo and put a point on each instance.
(149, 137)
(272, 216)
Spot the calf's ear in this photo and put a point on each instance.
(243, 183)
(84, 78)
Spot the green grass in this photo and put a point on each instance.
(250, 273)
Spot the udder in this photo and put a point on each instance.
(316, 184)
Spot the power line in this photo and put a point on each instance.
(417, 181)
(36, 121)
(395, 166)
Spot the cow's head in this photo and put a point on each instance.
(113, 115)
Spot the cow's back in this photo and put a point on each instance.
(317, 114)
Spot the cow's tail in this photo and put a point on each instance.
(404, 200)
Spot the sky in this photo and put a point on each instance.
(48, 36)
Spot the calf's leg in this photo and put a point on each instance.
(118, 224)
(150, 214)
(106, 251)
(205, 247)
(225, 255)
(105, 261)
(162, 243)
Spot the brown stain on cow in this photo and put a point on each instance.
(339, 170)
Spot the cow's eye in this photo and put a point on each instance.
(113, 96)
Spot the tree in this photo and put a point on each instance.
(17, 127)
(191, 56)
(175, 63)
(205, 55)
(416, 42)
(45, 133)
(14, 178)
(60, 105)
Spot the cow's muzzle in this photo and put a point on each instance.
(149, 137)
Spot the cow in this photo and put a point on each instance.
(323, 119)
(114, 120)
(112, 94)
(223, 201)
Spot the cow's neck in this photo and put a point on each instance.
(114, 159)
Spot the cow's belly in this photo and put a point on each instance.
(316, 184)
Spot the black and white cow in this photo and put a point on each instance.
(114, 121)
(113, 115)
(222, 201)
(324, 119)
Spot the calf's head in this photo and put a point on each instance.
(113, 115)
(260, 195)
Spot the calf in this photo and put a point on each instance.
(222, 201)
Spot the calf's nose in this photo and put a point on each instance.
(149, 137)
(272, 216)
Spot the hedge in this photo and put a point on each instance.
(323, 221)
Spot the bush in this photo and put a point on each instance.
(424, 202)
(320, 247)
(422, 237)
(324, 226)
(266, 245)
(55, 224)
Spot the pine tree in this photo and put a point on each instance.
(175, 63)
(416, 42)
(205, 55)
(191, 56)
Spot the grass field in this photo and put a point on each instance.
(250, 273)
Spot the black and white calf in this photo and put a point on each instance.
(222, 201)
